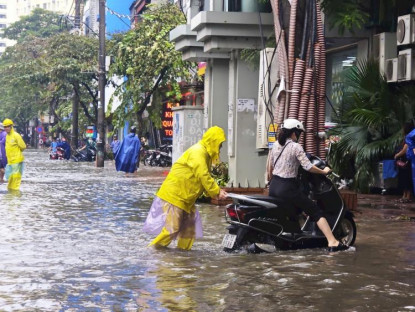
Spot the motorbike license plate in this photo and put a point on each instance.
(228, 240)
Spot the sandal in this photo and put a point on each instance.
(339, 247)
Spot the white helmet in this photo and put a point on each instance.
(292, 123)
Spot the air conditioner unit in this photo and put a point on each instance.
(406, 65)
(391, 70)
(384, 47)
(405, 32)
(268, 78)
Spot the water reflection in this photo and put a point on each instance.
(72, 241)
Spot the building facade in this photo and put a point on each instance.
(7, 16)
(24, 7)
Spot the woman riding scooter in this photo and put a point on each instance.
(283, 162)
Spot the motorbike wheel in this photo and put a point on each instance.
(346, 231)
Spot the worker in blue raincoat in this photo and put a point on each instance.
(126, 156)
(173, 213)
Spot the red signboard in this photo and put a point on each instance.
(167, 121)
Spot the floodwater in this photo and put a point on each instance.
(72, 240)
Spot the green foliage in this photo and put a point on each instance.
(145, 56)
(40, 23)
(346, 14)
(220, 172)
(41, 74)
(371, 125)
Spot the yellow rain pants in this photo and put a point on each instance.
(179, 224)
(14, 169)
(13, 176)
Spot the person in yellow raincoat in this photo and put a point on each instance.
(173, 213)
(14, 148)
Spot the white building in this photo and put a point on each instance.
(7, 16)
(90, 18)
(12, 10)
(24, 7)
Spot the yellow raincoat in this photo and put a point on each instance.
(187, 180)
(190, 174)
(14, 148)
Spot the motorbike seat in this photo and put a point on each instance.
(268, 199)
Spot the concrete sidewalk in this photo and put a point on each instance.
(384, 207)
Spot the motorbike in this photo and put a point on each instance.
(262, 223)
(59, 154)
(87, 154)
(161, 157)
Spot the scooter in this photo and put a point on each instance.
(265, 224)
(59, 154)
(87, 154)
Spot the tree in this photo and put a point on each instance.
(22, 82)
(371, 123)
(148, 60)
(40, 23)
(42, 75)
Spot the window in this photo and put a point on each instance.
(337, 65)
(3, 16)
(2, 44)
(3, 26)
(3, 6)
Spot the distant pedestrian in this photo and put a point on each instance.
(3, 158)
(115, 144)
(127, 155)
(403, 165)
(14, 148)
(66, 147)
(53, 146)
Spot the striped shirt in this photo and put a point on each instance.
(292, 157)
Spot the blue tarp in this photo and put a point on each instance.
(389, 169)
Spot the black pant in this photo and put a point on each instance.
(288, 189)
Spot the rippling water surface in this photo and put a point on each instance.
(72, 241)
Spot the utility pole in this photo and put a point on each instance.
(102, 83)
(75, 97)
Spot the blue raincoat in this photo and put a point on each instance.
(67, 148)
(3, 157)
(410, 141)
(126, 157)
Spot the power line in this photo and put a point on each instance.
(120, 16)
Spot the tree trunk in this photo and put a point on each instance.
(75, 109)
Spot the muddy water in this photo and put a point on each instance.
(72, 241)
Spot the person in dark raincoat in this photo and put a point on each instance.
(66, 147)
(126, 157)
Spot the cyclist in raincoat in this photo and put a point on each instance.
(14, 148)
(173, 211)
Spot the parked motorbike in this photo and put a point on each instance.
(59, 154)
(87, 154)
(265, 223)
(161, 157)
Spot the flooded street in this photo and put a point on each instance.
(72, 241)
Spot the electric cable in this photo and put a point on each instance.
(268, 102)
(119, 16)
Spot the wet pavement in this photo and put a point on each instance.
(72, 241)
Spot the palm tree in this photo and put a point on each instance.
(371, 123)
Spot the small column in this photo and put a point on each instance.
(216, 97)
(187, 128)
(246, 163)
